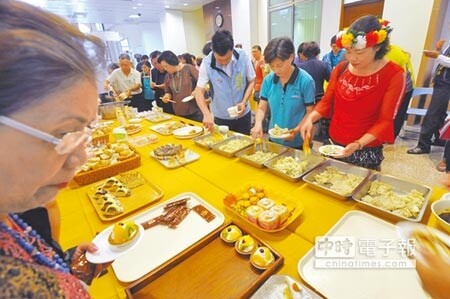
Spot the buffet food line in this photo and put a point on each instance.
(281, 209)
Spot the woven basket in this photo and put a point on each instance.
(96, 175)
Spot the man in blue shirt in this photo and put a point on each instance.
(231, 76)
(335, 56)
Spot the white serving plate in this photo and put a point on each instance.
(274, 136)
(162, 128)
(107, 252)
(189, 156)
(276, 285)
(187, 132)
(331, 150)
(161, 243)
(362, 283)
(158, 117)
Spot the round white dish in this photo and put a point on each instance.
(274, 136)
(187, 132)
(106, 252)
(331, 150)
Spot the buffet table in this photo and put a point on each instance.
(211, 177)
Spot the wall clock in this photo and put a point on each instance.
(219, 20)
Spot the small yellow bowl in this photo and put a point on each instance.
(438, 207)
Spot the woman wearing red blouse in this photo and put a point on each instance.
(363, 95)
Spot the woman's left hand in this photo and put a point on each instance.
(241, 108)
(348, 150)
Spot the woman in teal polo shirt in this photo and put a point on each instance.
(288, 91)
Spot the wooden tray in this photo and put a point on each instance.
(91, 176)
(294, 207)
(142, 195)
(210, 269)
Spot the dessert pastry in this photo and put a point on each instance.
(281, 211)
(99, 193)
(122, 191)
(110, 205)
(268, 220)
(253, 212)
(262, 258)
(245, 245)
(123, 233)
(167, 151)
(110, 182)
(266, 203)
(231, 234)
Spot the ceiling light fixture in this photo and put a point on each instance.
(185, 4)
(136, 16)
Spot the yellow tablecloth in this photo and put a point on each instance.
(212, 177)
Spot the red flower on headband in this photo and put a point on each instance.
(371, 38)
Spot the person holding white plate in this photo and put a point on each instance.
(363, 94)
(180, 83)
(288, 91)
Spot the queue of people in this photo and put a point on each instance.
(362, 97)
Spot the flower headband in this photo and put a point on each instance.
(359, 40)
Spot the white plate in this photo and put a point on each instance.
(187, 132)
(158, 117)
(189, 156)
(187, 99)
(276, 285)
(135, 120)
(107, 252)
(331, 150)
(161, 243)
(282, 136)
(363, 283)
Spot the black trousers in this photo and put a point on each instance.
(138, 101)
(241, 125)
(436, 114)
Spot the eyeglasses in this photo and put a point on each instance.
(63, 146)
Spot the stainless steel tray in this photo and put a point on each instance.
(208, 140)
(218, 147)
(266, 147)
(400, 186)
(299, 156)
(341, 166)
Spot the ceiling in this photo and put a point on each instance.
(116, 11)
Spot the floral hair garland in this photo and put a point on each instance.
(359, 40)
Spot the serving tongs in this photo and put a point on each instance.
(258, 144)
(306, 148)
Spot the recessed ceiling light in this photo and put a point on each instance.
(167, 6)
(134, 7)
(185, 4)
(139, 4)
(136, 16)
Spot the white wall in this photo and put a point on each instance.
(410, 27)
(193, 27)
(240, 16)
(331, 15)
(172, 28)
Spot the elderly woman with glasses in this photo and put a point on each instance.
(48, 99)
(363, 95)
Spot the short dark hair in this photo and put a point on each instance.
(279, 47)
(301, 48)
(257, 47)
(155, 54)
(207, 48)
(189, 58)
(169, 57)
(222, 42)
(147, 64)
(144, 57)
(311, 50)
(367, 24)
(333, 39)
(124, 56)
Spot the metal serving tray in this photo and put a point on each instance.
(266, 147)
(208, 140)
(341, 166)
(218, 146)
(400, 186)
(299, 156)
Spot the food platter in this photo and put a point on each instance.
(187, 132)
(237, 204)
(209, 140)
(331, 150)
(107, 253)
(143, 193)
(399, 199)
(348, 173)
(168, 127)
(176, 156)
(260, 153)
(352, 283)
(230, 146)
(216, 264)
(158, 117)
(284, 286)
(133, 128)
(143, 140)
(293, 164)
(161, 244)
